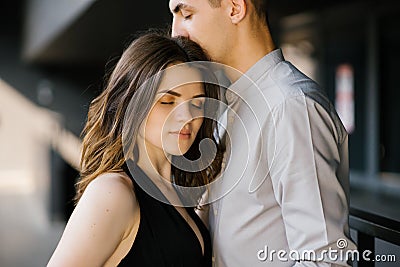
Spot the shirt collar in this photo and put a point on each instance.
(252, 75)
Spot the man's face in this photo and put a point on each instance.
(208, 26)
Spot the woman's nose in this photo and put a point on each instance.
(183, 112)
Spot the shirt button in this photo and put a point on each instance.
(213, 258)
(229, 97)
(215, 212)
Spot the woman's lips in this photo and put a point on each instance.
(184, 134)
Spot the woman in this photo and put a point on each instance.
(138, 125)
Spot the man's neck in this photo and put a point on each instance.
(253, 46)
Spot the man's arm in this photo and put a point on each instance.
(309, 178)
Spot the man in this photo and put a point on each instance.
(284, 195)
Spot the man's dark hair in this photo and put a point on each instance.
(259, 5)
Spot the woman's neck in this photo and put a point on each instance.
(157, 167)
(153, 162)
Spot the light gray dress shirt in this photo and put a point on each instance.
(283, 197)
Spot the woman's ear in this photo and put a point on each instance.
(238, 10)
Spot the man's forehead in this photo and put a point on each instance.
(176, 5)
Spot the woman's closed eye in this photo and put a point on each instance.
(167, 102)
(197, 103)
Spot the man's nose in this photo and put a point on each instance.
(178, 29)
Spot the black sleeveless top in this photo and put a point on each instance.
(164, 238)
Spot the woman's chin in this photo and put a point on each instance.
(178, 151)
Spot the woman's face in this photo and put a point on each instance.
(177, 113)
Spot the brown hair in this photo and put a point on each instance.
(102, 135)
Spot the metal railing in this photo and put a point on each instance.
(370, 226)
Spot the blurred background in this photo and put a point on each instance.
(54, 54)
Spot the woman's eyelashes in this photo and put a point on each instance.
(196, 103)
(167, 100)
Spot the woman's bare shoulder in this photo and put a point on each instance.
(115, 180)
(113, 189)
(106, 213)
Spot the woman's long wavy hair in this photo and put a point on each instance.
(145, 57)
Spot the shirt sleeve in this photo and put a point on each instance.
(309, 175)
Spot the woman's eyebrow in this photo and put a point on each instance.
(178, 94)
(200, 95)
(170, 92)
